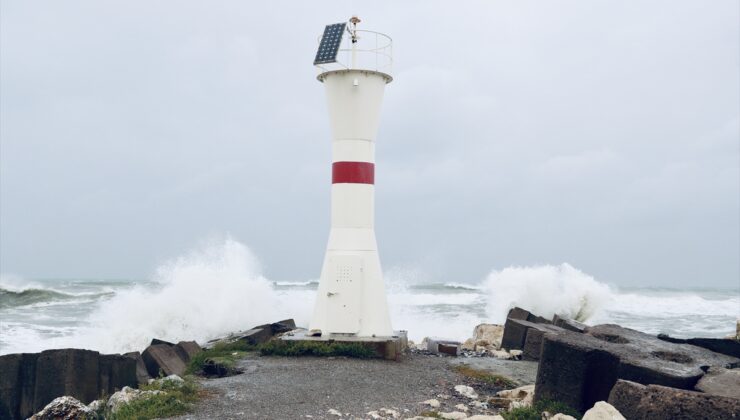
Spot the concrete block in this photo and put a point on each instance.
(533, 341)
(580, 369)
(257, 335)
(116, 371)
(163, 357)
(187, 349)
(71, 372)
(142, 375)
(649, 402)
(569, 324)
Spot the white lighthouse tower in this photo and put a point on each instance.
(355, 66)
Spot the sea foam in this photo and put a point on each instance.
(545, 290)
(211, 291)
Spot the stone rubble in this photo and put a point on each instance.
(466, 391)
(127, 395)
(462, 407)
(434, 403)
(603, 411)
(65, 408)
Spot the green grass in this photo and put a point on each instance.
(316, 348)
(535, 412)
(483, 376)
(175, 399)
(226, 354)
(223, 353)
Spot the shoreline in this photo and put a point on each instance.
(548, 359)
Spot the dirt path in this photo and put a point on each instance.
(293, 388)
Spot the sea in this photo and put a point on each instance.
(219, 288)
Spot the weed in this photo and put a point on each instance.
(483, 376)
(315, 348)
(223, 355)
(175, 398)
(535, 412)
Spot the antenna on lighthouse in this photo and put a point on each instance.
(354, 20)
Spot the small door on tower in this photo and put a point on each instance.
(345, 288)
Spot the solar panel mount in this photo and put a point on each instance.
(329, 45)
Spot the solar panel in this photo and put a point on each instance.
(329, 46)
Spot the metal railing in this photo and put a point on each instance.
(373, 51)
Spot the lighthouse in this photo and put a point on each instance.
(355, 67)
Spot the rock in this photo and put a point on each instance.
(333, 412)
(256, 336)
(518, 313)
(580, 369)
(466, 391)
(163, 358)
(187, 349)
(479, 404)
(142, 375)
(17, 383)
(156, 341)
(282, 326)
(116, 371)
(65, 408)
(718, 345)
(517, 393)
(127, 395)
(375, 415)
(436, 346)
(602, 411)
(517, 354)
(720, 381)
(569, 324)
(462, 407)
(432, 403)
(469, 345)
(482, 343)
(484, 417)
(491, 333)
(522, 396)
(642, 402)
(389, 412)
(449, 349)
(516, 330)
(499, 402)
(70, 372)
(454, 415)
(533, 340)
(501, 354)
(561, 416)
(97, 405)
(28, 382)
(524, 315)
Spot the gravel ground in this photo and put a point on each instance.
(294, 388)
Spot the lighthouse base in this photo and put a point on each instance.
(389, 348)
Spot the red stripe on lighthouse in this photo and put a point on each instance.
(353, 173)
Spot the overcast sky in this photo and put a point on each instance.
(604, 134)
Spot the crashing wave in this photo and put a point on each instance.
(546, 290)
